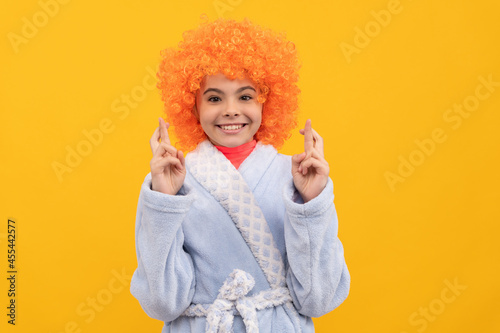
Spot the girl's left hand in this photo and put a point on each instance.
(310, 169)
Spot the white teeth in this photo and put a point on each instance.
(231, 127)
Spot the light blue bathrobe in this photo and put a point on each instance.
(189, 244)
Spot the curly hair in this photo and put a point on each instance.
(238, 50)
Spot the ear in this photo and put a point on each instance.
(195, 112)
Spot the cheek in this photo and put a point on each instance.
(259, 112)
(202, 110)
(206, 115)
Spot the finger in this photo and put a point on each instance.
(315, 153)
(308, 137)
(164, 149)
(317, 140)
(164, 131)
(166, 162)
(153, 142)
(320, 166)
(296, 159)
(180, 156)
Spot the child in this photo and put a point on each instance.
(236, 236)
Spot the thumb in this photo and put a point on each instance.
(296, 159)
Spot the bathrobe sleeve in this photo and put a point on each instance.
(317, 275)
(164, 281)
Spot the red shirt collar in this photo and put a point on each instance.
(236, 155)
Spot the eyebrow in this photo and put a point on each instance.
(222, 93)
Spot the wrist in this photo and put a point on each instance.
(163, 189)
(308, 196)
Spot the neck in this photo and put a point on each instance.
(236, 155)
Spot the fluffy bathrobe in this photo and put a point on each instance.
(238, 249)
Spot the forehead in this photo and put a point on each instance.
(220, 81)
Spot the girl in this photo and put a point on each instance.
(236, 236)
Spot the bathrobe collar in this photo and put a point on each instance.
(255, 165)
(235, 194)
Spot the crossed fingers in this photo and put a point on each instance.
(313, 142)
(313, 154)
(160, 135)
(168, 164)
(161, 146)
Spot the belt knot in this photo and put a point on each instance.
(232, 295)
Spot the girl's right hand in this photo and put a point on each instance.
(168, 168)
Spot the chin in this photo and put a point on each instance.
(230, 143)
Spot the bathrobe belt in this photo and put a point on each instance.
(232, 300)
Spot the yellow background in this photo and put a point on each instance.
(404, 243)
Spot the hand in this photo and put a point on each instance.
(310, 169)
(168, 168)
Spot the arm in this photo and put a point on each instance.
(164, 281)
(317, 275)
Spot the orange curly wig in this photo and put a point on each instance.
(236, 49)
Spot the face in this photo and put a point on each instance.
(228, 110)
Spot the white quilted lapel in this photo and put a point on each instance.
(221, 179)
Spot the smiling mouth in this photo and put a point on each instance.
(231, 127)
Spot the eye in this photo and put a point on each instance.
(246, 97)
(214, 99)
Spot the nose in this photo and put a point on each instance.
(231, 110)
